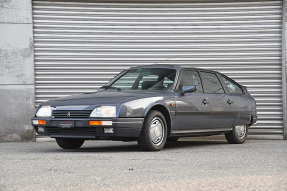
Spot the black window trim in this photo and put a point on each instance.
(220, 81)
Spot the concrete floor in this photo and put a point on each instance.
(190, 164)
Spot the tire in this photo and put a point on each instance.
(66, 143)
(172, 139)
(238, 135)
(154, 132)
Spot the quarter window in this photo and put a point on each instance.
(232, 88)
(190, 78)
(211, 83)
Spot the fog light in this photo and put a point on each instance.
(41, 130)
(108, 130)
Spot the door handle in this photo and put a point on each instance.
(229, 102)
(205, 101)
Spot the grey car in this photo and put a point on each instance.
(151, 105)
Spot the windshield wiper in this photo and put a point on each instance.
(110, 87)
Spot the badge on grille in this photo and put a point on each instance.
(68, 114)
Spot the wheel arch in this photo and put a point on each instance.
(165, 113)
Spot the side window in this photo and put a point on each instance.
(211, 83)
(232, 88)
(190, 78)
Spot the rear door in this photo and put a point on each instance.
(192, 114)
(237, 100)
(222, 112)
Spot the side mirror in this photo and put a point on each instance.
(188, 89)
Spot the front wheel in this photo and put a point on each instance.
(154, 132)
(238, 135)
(66, 143)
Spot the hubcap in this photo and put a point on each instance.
(240, 131)
(156, 131)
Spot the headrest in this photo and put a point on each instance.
(148, 84)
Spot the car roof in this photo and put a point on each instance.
(177, 67)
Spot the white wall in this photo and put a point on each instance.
(16, 70)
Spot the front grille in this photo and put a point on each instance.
(71, 114)
(80, 131)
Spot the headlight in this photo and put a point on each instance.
(44, 111)
(104, 111)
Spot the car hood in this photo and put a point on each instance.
(102, 98)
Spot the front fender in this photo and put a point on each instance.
(138, 107)
(141, 107)
(164, 104)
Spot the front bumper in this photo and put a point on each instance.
(122, 127)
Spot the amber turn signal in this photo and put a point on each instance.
(95, 122)
(41, 122)
(100, 123)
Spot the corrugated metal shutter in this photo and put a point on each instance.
(80, 45)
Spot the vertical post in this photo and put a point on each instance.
(284, 69)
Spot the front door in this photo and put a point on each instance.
(192, 109)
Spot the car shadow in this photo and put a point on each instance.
(112, 147)
(193, 143)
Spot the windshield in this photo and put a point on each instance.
(144, 79)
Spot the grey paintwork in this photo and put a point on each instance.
(129, 103)
(189, 113)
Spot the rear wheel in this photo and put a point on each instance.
(238, 135)
(154, 132)
(67, 143)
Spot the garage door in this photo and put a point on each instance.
(80, 45)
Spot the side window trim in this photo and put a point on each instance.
(200, 80)
(216, 74)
